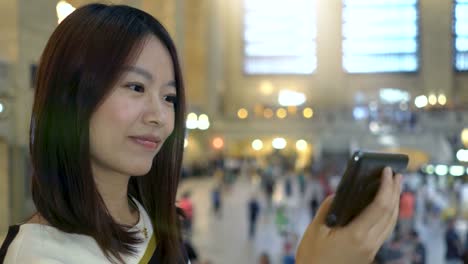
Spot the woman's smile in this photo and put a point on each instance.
(148, 142)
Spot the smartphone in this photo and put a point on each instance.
(360, 183)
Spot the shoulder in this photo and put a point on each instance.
(17, 248)
(36, 243)
(29, 243)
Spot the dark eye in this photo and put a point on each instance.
(139, 88)
(171, 99)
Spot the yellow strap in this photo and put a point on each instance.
(150, 250)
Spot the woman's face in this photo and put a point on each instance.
(128, 129)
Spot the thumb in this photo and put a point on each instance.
(322, 212)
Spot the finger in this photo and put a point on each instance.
(384, 230)
(381, 205)
(322, 212)
(385, 234)
(391, 225)
(381, 237)
(394, 217)
(318, 224)
(392, 201)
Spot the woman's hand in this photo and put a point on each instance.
(359, 241)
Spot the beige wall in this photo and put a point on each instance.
(36, 21)
(165, 11)
(194, 50)
(8, 27)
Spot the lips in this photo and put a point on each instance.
(149, 142)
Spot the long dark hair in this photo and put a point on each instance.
(81, 62)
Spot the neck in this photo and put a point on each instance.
(113, 188)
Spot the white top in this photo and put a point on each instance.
(41, 244)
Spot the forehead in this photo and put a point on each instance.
(154, 57)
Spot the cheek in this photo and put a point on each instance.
(122, 113)
(112, 120)
(116, 115)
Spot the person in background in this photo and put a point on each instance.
(465, 250)
(186, 205)
(418, 255)
(254, 209)
(269, 186)
(301, 180)
(313, 206)
(282, 220)
(191, 252)
(288, 257)
(216, 200)
(407, 203)
(288, 188)
(394, 251)
(289, 247)
(452, 244)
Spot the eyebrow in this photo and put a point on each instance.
(172, 84)
(140, 71)
(146, 74)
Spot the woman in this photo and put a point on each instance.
(107, 133)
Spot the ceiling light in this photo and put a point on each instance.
(442, 99)
(257, 144)
(288, 98)
(420, 101)
(192, 121)
(203, 122)
(242, 113)
(301, 145)
(432, 99)
(308, 112)
(279, 143)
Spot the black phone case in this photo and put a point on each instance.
(360, 183)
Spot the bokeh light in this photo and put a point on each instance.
(308, 112)
(242, 113)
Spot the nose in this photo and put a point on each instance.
(154, 112)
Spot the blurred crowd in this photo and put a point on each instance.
(423, 203)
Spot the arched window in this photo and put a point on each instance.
(279, 37)
(380, 36)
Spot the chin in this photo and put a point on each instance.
(137, 169)
(141, 172)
